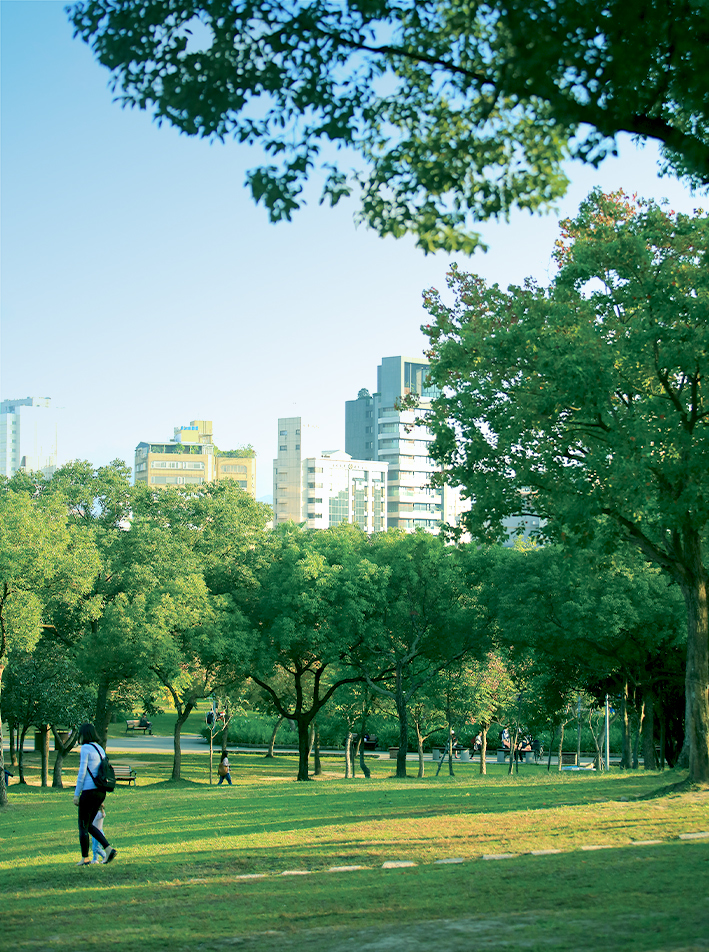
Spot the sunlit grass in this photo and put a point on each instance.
(183, 848)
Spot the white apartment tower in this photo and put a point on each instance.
(325, 488)
(28, 436)
(376, 429)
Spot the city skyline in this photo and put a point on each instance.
(142, 288)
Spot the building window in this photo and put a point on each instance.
(368, 429)
(297, 446)
(282, 447)
(368, 446)
(312, 500)
(283, 432)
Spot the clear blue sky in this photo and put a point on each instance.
(141, 288)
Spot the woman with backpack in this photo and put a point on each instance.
(87, 796)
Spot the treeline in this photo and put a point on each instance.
(112, 595)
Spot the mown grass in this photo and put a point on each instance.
(183, 848)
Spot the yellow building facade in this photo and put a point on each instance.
(190, 458)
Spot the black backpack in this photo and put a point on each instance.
(105, 778)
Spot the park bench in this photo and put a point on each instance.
(370, 744)
(125, 773)
(135, 725)
(569, 760)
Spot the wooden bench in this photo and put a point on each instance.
(125, 773)
(135, 725)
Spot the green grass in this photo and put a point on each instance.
(164, 724)
(183, 850)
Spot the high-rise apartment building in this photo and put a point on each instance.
(322, 489)
(189, 458)
(28, 436)
(377, 429)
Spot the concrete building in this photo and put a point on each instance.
(190, 458)
(322, 489)
(376, 429)
(28, 436)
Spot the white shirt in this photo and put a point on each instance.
(91, 756)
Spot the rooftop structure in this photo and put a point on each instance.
(191, 458)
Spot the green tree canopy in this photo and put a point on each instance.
(45, 565)
(455, 111)
(585, 403)
(315, 597)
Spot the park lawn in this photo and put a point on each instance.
(184, 848)
(163, 724)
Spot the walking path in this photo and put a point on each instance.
(408, 864)
(196, 744)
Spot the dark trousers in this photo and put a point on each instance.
(89, 802)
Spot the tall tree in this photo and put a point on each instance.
(211, 540)
(314, 598)
(586, 399)
(43, 689)
(430, 614)
(460, 109)
(600, 622)
(42, 561)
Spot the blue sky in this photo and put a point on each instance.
(141, 288)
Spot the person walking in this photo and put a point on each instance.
(86, 795)
(223, 770)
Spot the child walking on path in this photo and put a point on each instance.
(99, 853)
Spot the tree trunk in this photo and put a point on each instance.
(21, 754)
(450, 751)
(225, 728)
(317, 764)
(13, 746)
(403, 713)
(649, 762)
(62, 748)
(363, 767)
(303, 747)
(483, 752)
(272, 742)
(3, 789)
(697, 674)
(44, 755)
(348, 755)
(362, 730)
(561, 749)
(419, 747)
(626, 756)
(177, 739)
(636, 739)
(104, 710)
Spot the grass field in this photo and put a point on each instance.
(250, 866)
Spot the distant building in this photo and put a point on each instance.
(377, 429)
(322, 489)
(28, 436)
(191, 458)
